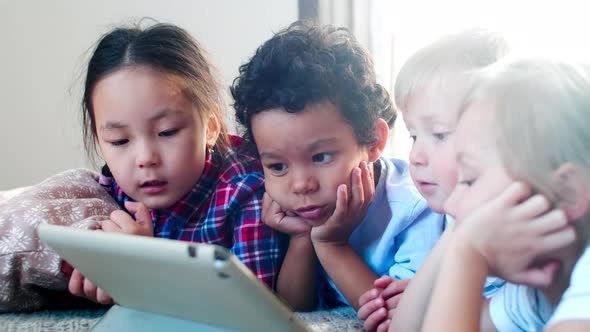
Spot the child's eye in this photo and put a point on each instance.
(167, 133)
(119, 142)
(467, 183)
(441, 136)
(322, 158)
(277, 168)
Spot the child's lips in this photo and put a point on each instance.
(310, 212)
(426, 187)
(153, 186)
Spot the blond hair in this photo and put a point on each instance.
(542, 112)
(448, 62)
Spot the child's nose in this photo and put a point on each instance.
(418, 155)
(304, 183)
(148, 156)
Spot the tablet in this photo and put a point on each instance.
(197, 282)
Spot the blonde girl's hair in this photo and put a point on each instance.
(542, 112)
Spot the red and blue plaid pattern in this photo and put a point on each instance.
(224, 208)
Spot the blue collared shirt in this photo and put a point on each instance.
(398, 231)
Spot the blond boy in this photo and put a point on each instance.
(429, 90)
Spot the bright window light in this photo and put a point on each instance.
(554, 29)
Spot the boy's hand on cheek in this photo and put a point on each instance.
(275, 217)
(121, 222)
(513, 230)
(349, 210)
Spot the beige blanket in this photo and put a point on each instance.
(30, 272)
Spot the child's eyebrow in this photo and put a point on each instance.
(110, 125)
(310, 148)
(323, 141)
(270, 155)
(165, 113)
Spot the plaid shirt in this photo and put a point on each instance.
(223, 208)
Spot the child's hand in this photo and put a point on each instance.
(121, 222)
(283, 221)
(393, 290)
(80, 286)
(372, 311)
(513, 230)
(377, 306)
(349, 210)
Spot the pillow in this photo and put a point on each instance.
(30, 272)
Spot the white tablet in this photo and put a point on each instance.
(198, 282)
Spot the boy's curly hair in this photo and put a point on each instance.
(307, 64)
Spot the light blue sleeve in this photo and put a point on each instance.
(415, 242)
(516, 308)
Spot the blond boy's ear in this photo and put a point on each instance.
(213, 130)
(573, 193)
(382, 133)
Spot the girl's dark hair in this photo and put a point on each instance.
(306, 64)
(163, 47)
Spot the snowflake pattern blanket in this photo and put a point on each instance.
(30, 272)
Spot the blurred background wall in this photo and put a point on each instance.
(44, 46)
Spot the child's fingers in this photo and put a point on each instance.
(266, 201)
(550, 222)
(397, 287)
(128, 225)
(532, 207)
(66, 268)
(514, 194)
(393, 301)
(367, 296)
(102, 297)
(76, 284)
(384, 326)
(373, 320)
(357, 195)
(540, 277)
(123, 220)
(143, 219)
(89, 289)
(370, 307)
(383, 281)
(554, 241)
(276, 212)
(282, 221)
(110, 227)
(272, 212)
(367, 182)
(341, 203)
